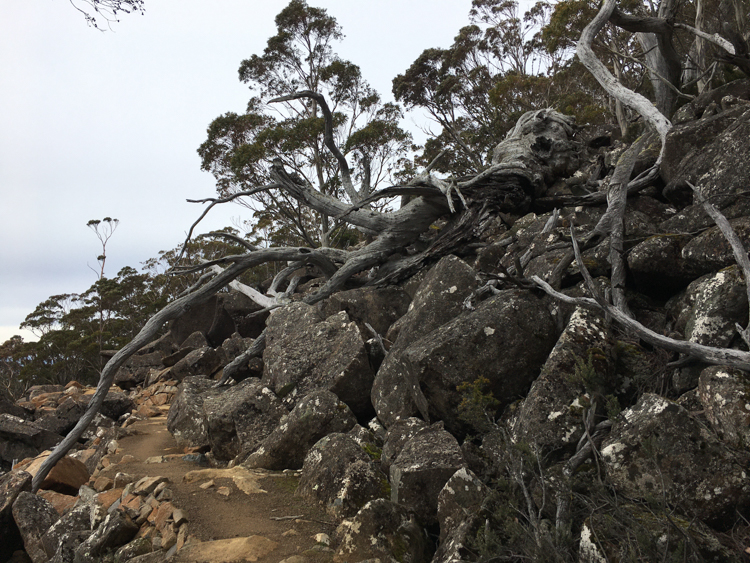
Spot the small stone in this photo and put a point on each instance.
(323, 539)
(207, 484)
(147, 485)
(143, 515)
(109, 497)
(224, 491)
(182, 536)
(179, 517)
(122, 479)
(163, 513)
(103, 483)
(168, 538)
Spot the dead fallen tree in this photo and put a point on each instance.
(521, 166)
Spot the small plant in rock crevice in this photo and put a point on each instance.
(477, 405)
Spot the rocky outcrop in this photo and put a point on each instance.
(725, 396)
(318, 414)
(240, 417)
(66, 477)
(201, 362)
(378, 307)
(438, 299)
(420, 471)
(33, 516)
(487, 394)
(11, 486)
(185, 420)
(550, 414)
(316, 353)
(381, 530)
(458, 509)
(21, 438)
(339, 475)
(659, 450)
(505, 340)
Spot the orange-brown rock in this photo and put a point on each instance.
(148, 411)
(103, 483)
(66, 476)
(132, 501)
(73, 384)
(59, 501)
(84, 455)
(160, 399)
(108, 498)
(163, 513)
(146, 531)
(182, 536)
(47, 399)
(168, 538)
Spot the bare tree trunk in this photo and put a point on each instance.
(600, 72)
(655, 36)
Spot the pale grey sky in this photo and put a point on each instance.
(96, 124)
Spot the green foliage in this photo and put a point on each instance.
(373, 451)
(587, 374)
(74, 328)
(500, 66)
(477, 405)
(239, 148)
(14, 354)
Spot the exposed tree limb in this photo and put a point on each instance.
(611, 223)
(256, 296)
(600, 72)
(214, 201)
(346, 177)
(708, 354)
(636, 24)
(714, 38)
(740, 254)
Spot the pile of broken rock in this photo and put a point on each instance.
(78, 514)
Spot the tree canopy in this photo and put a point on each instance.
(97, 12)
(240, 148)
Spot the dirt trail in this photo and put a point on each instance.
(254, 499)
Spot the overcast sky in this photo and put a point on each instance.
(96, 124)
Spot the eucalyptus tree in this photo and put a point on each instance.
(498, 67)
(240, 148)
(98, 11)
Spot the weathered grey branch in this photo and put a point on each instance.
(613, 87)
(708, 354)
(613, 221)
(256, 296)
(714, 38)
(346, 177)
(216, 201)
(738, 249)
